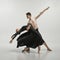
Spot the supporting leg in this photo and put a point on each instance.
(39, 49)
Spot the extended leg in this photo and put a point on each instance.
(47, 46)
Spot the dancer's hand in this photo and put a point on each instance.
(10, 41)
(47, 8)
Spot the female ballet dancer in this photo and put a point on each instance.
(30, 38)
(34, 24)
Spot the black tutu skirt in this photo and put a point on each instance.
(31, 39)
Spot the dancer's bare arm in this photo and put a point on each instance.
(28, 27)
(18, 31)
(11, 39)
(13, 36)
(41, 13)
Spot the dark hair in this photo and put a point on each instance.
(28, 13)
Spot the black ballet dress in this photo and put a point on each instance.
(31, 38)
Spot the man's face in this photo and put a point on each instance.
(28, 16)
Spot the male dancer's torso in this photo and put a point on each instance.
(33, 23)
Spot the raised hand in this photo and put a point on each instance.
(47, 8)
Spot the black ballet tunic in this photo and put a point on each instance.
(31, 38)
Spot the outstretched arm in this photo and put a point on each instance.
(23, 28)
(41, 13)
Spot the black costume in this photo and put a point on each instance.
(31, 38)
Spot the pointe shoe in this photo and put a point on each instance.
(23, 51)
(28, 50)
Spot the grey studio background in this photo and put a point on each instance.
(12, 16)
